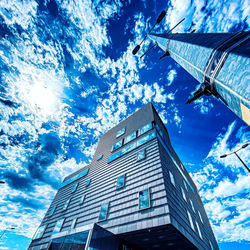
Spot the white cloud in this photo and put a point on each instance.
(204, 105)
(171, 76)
(224, 186)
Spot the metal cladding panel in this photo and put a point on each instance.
(178, 206)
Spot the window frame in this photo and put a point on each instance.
(192, 205)
(88, 182)
(144, 154)
(82, 199)
(66, 205)
(125, 139)
(191, 221)
(198, 229)
(119, 133)
(52, 211)
(59, 230)
(172, 180)
(140, 129)
(99, 157)
(149, 199)
(124, 180)
(114, 149)
(41, 234)
(73, 224)
(75, 188)
(106, 214)
(183, 194)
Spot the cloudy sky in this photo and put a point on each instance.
(67, 75)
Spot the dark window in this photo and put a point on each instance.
(144, 199)
(121, 181)
(104, 212)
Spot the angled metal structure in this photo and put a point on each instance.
(219, 61)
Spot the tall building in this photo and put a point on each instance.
(219, 61)
(135, 194)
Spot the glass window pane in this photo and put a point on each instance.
(52, 211)
(144, 199)
(141, 155)
(128, 148)
(58, 226)
(192, 205)
(88, 182)
(73, 224)
(185, 184)
(198, 228)
(120, 181)
(190, 220)
(200, 216)
(39, 232)
(103, 212)
(74, 188)
(172, 178)
(82, 199)
(145, 128)
(120, 132)
(183, 194)
(99, 157)
(66, 205)
(130, 137)
(117, 145)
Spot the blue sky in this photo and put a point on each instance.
(67, 75)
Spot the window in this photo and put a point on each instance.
(190, 220)
(82, 199)
(132, 146)
(74, 188)
(66, 205)
(198, 228)
(88, 182)
(183, 194)
(120, 181)
(104, 212)
(185, 184)
(211, 245)
(144, 199)
(39, 232)
(192, 205)
(117, 145)
(99, 157)
(73, 224)
(200, 216)
(52, 211)
(130, 137)
(171, 178)
(120, 132)
(145, 128)
(74, 178)
(141, 155)
(58, 226)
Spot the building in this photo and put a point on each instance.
(135, 194)
(219, 61)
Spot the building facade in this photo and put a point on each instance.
(219, 61)
(135, 194)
